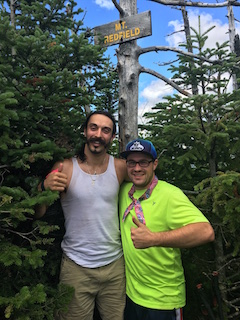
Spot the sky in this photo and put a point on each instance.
(166, 22)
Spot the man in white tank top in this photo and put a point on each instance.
(92, 260)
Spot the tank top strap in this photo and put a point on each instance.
(111, 165)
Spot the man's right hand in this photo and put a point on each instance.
(56, 180)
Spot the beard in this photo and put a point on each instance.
(102, 142)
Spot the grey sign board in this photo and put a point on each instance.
(129, 28)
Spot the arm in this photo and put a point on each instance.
(188, 236)
(121, 170)
(56, 180)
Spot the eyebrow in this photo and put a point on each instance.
(92, 124)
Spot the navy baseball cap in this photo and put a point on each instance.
(140, 145)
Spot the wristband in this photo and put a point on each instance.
(42, 186)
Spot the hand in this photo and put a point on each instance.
(56, 180)
(141, 236)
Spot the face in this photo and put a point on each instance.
(99, 133)
(141, 177)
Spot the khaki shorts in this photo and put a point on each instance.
(104, 286)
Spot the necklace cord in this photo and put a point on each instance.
(94, 176)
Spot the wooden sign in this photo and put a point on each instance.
(129, 28)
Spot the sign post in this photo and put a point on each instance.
(125, 32)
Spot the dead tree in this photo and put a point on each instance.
(231, 20)
(129, 70)
(232, 35)
(189, 42)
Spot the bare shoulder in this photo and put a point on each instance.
(120, 164)
(66, 165)
(121, 169)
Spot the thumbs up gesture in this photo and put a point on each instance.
(60, 167)
(56, 180)
(141, 236)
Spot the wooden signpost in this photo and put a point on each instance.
(129, 28)
(125, 31)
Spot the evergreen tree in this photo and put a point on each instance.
(51, 75)
(199, 141)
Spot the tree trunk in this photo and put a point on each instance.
(218, 243)
(220, 261)
(12, 7)
(189, 43)
(128, 70)
(232, 32)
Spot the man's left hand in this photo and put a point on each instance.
(141, 236)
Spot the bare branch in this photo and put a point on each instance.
(233, 316)
(233, 301)
(118, 7)
(198, 4)
(234, 287)
(168, 81)
(4, 166)
(172, 33)
(187, 192)
(166, 63)
(186, 53)
(23, 235)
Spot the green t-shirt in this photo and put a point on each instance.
(154, 276)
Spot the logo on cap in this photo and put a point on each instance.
(137, 146)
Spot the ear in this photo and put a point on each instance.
(84, 132)
(155, 163)
(113, 136)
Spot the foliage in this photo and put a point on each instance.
(51, 75)
(221, 193)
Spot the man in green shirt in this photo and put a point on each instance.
(156, 221)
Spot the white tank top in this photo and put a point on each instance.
(92, 237)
